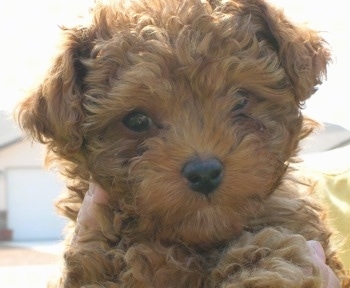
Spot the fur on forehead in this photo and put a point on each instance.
(302, 52)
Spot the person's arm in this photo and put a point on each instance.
(86, 218)
(329, 279)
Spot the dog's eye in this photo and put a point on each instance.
(242, 100)
(137, 121)
(240, 104)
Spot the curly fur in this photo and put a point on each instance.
(187, 65)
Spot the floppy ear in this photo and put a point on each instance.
(53, 113)
(302, 52)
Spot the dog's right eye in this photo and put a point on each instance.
(242, 100)
(137, 121)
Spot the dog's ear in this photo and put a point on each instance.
(53, 113)
(302, 52)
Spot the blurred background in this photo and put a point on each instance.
(30, 230)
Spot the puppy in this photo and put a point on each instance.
(188, 114)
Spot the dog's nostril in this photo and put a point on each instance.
(193, 178)
(203, 176)
(215, 174)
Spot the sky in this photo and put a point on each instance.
(29, 35)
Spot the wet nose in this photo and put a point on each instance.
(203, 175)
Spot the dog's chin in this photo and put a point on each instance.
(210, 227)
(206, 227)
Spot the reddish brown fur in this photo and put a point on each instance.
(185, 64)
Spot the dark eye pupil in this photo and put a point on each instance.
(137, 121)
(241, 104)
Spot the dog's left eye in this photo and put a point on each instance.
(242, 100)
(137, 121)
(241, 103)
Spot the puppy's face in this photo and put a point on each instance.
(197, 145)
(187, 117)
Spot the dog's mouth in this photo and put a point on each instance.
(194, 218)
(204, 228)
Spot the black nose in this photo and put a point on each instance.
(203, 176)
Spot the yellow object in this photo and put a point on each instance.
(331, 170)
